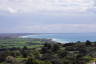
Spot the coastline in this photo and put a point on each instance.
(48, 39)
(57, 37)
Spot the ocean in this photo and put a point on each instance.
(66, 37)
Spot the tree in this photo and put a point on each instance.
(29, 61)
(24, 52)
(88, 42)
(55, 47)
(48, 45)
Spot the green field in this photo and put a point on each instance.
(20, 42)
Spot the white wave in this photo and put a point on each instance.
(59, 40)
(23, 36)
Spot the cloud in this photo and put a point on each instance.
(53, 28)
(31, 6)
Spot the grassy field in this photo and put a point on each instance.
(20, 42)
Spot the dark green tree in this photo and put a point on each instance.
(29, 61)
(88, 42)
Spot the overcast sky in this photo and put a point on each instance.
(47, 16)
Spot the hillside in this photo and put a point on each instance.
(41, 51)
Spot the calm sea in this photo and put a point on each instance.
(66, 37)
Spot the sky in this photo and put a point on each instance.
(47, 16)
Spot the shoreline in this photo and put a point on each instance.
(66, 38)
(48, 39)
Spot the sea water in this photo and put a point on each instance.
(66, 37)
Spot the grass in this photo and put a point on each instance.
(35, 46)
(21, 58)
(20, 42)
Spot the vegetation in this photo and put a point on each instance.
(20, 42)
(23, 51)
